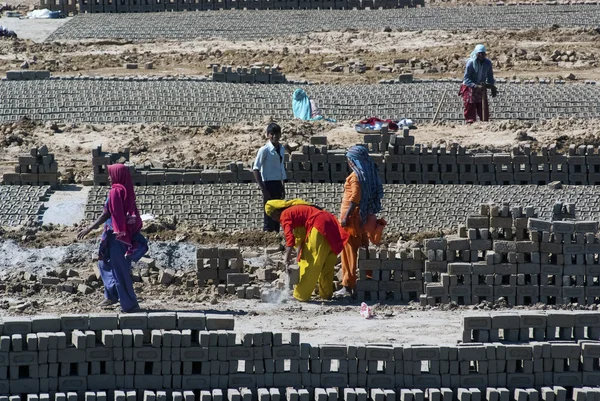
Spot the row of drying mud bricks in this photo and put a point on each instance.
(141, 177)
(171, 351)
(175, 351)
(531, 326)
(507, 253)
(95, 351)
(556, 393)
(408, 163)
(404, 163)
(143, 6)
(38, 167)
(248, 75)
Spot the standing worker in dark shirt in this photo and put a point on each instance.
(479, 76)
(269, 172)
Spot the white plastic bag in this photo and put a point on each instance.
(366, 311)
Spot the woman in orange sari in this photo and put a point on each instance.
(363, 192)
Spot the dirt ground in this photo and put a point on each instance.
(205, 147)
(525, 54)
(572, 54)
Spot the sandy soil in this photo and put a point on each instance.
(540, 53)
(205, 147)
(526, 54)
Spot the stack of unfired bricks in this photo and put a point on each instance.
(218, 264)
(503, 252)
(142, 176)
(177, 356)
(36, 168)
(400, 161)
(533, 349)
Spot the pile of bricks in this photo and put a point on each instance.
(314, 162)
(36, 168)
(163, 355)
(218, 265)
(101, 160)
(507, 252)
(27, 75)
(248, 75)
(504, 252)
(541, 347)
(146, 174)
(532, 326)
(387, 275)
(104, 351)
(400, 161)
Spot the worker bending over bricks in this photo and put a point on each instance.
(363, 192)
(269, 172)
(320, 239)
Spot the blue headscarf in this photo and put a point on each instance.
(371, 190)
(478, 49)
(301, 104)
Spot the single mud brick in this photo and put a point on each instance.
(162, 320)
(532, 320)
(47, 324)
(457, 244)
(219, 322)
(16, 325)
(191, 321)
(560, 319)
(238, 278)
(133, 321)
(74, 322)
(103, 321)
(460, 268)
(318, 140)
(207, 252)
(349, 394)
(229, 253)
(539, 225)
(477, 322)
(166, 276)
(246, 394)
(435, 244)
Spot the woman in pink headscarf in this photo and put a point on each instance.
(121, 241)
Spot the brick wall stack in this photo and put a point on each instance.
(36, 168)
(400, 161)
(559, 347)
(215, 265)
(503, 252)
(248, 75)
(101, 160)
(171, 356)
(314, 162)
(147, 174)
(49, 354)
(389, 275)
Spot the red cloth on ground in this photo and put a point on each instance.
(392, 125)
(472, 102)
(310, 217)
(124, 214)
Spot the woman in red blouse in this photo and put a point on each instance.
(320, 238)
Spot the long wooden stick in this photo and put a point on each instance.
(439, 106)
